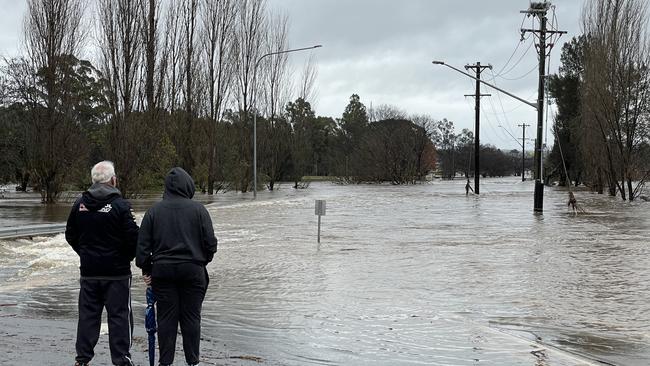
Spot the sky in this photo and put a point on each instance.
(382, 51)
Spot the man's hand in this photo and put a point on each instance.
(147, 279)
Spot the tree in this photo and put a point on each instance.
(447, 148)
(616, 87)
(352, 125)
(465, 149)
(121, 48)
(189, 55)
(249, 40)
(426, 138)
(384, 112)
(218, 37)
(307, 81)
(301, 117)
(565, 88)
(388, 153)
(276, 87)
(78, 109)
(53, 34)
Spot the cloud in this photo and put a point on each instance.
(382, 50)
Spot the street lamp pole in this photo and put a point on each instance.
(534, 105)
(257, 63)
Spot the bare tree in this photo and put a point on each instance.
(276, 92)
(218, 36)
(307, 82)
(249, 40)
(154, 57)
(121, 24)
(617, 84)
(172, 53)
(276, 84)
(425, 139)
(52, 31)
(189, 56)
(385, 111)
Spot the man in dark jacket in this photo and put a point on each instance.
(175, 244)
(102, 230)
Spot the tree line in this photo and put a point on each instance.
(178, 83)
(602, 128)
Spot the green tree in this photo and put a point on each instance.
(352, 126)
(565, 88)
(62, 113)
(301, 117)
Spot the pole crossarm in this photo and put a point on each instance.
(524, 30)
(534, 105)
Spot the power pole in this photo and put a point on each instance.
(478, 68)
(523, 150)
(539, 10)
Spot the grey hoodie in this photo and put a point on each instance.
(176, 229)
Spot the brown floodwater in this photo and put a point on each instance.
(404, 275)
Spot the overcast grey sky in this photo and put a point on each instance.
(382, 50)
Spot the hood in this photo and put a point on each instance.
(100, 194)
(178, 184)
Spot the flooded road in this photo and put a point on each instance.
(418, 275)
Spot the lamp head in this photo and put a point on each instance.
(437, 62)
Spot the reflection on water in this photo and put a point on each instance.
(404, 275)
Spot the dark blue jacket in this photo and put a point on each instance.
(102, 230)
(176, 229)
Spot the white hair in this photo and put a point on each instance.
(102, 172)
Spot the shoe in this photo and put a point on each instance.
(81, 363)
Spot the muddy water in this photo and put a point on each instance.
(404, 275)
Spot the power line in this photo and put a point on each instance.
(521, 40)
(505, 116)
(500, 74)
(522, 76)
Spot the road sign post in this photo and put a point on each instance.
(320, 211)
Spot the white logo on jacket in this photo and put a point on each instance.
(106, 208)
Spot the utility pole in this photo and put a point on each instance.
(523, 150)
(539, 10)
(478, 68)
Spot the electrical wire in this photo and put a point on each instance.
(496, 116)
(503, 137)
(522, 76)
(494, 133)
(522, 40)
(505, 116)
(517, 63)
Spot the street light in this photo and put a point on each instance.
(534, 105)
(255, 112)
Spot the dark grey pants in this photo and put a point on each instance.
(179, 290)
(96, 294)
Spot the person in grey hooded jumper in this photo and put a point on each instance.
(175, 244)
